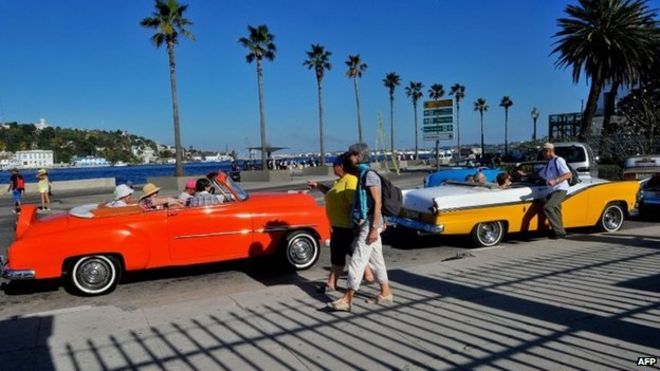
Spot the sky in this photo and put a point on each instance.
(88, 64)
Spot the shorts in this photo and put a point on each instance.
(341, 244)
(17, 193)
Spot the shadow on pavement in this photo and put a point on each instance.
(561, 309)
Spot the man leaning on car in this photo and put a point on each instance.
(556, 174)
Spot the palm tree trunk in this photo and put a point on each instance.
(482, 135)
(262, 116)
(534, 135)
(178, 167)
(359, 114)
(590, 109)
(318, 81)
(392, 125)
(458, 128)
(506, 132)
(607, 118)
(416, 133)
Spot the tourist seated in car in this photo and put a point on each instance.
(123, 195)
(469, 179)
(479, 178)
(204, 196)
(188, 192)
(504, 180)
(151, 201)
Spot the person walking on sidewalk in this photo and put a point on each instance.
(43, 186)
(338, 202)
(556, 174)
(368, 220)
(17, 188)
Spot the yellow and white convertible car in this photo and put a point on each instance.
(487, 213)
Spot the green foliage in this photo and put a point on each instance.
(66, 143)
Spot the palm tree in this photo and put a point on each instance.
(319, 59)
(609, 39)
(506, 102)
(414, 91)
(458, 91)
(481, 106)
(391, 81)
(436, 91)
(535, 115)
(355, 70)
(169, 22)
(260, 45)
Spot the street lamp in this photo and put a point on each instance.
(535, 116)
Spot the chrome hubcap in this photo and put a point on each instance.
(612, 218)
(301, 250)
(489, 232)
(94, 274)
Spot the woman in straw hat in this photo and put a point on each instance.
(151, 201)
(43, 186)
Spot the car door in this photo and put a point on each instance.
(209, 233)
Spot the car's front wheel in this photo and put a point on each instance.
(300, 250)
(95, 274)
(611, 219)
(488, 234)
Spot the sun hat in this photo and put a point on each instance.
(42, 171)
(191, 184)
(149, 189)
(548, 146)
(122, 191)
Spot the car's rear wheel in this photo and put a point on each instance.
(488, 234)
(611, 219)
(300, 250)
(95, 274)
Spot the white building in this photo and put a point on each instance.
(34, 158)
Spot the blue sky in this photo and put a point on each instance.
(88, 64)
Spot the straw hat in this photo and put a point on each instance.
(149, 189)
(42, 172)
(122, 191)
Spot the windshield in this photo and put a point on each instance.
(240, 192)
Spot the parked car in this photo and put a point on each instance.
(91, 246)
(647, 170)
(458, 174)
(488, 213)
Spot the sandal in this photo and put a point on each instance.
(379, 299)
(340, 305)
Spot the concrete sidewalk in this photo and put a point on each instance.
(590, 302)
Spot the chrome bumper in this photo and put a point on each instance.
(15, 274)
(416, 224)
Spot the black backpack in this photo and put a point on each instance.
(575, 177)
(390, 195)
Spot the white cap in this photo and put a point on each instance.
(122, 191)
(548, 146)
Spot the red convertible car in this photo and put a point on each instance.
(92, 246)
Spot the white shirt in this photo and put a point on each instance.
(118, 203)
(184, 196)
(555, 168)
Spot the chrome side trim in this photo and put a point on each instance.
(284, 228)
(215, 234)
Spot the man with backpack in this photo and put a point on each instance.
(17, 188)
(557, 175)
(367, 217)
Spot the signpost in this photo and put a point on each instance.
(438, 123)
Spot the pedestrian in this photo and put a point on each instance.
(368, 221)
(43, 187)
(338, 202)
(556, 174)
(17, 188)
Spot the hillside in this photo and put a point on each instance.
(66, 143)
